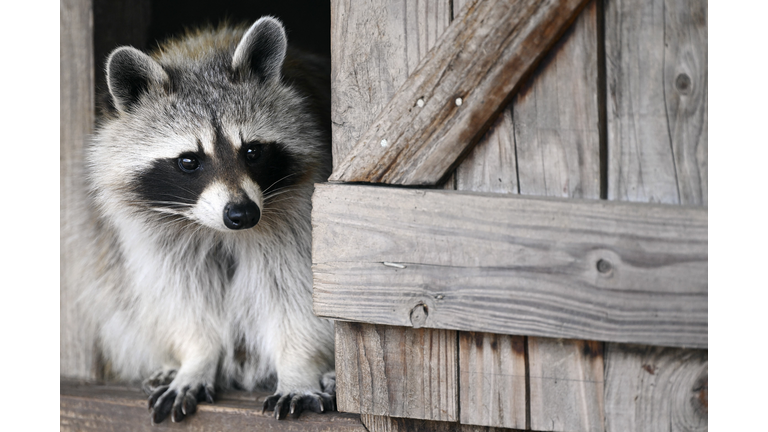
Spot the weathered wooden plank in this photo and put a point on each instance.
(657, 118)
(556, 118)
(499, 263)
(686, 97)
(491, 166)
(78, 357)
(657, 100)
(653, 388)
(376, 423)
(566, 379)
(418, 143)
(116, 408)
(367, 67)
(558, 154)
(492, 379)
(396, 371)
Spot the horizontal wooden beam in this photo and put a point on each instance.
(583, 269)
(448, 103)
(117, 408)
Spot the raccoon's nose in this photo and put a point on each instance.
(241, 215)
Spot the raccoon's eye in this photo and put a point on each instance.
(188, 163)
(253, 152)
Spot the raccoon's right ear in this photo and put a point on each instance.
(262, 50)
(130, 73)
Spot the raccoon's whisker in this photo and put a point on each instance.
(270, 186)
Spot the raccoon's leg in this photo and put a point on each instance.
(303, 352)
(193, 383)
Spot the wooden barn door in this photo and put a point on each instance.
(539, 294)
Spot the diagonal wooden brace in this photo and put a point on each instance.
(457, 91)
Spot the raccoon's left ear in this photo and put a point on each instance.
(262, 50)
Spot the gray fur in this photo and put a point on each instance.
(174, 290)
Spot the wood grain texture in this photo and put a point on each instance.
(502, 38)
(653, 388)
(657, 124)
(116, 408)
(396, 371)
(78, 357)
(376, 423)
(375, 45)
(657, 100)
(556, 118)
(566, 381)
(492, 379)
(513, 265)
(557, 143)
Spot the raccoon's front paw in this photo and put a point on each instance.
(161, 377)
(179, 401)
(295, 403)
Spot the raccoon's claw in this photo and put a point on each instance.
(165, 400)
(294, 404)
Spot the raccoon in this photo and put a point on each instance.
(201, 174)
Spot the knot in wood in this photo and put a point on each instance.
(419, 315)
(604, 266)
(683, 83)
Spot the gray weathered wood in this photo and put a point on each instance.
(491, 166)
(374, 46)
(558, 154)
(78, 358)
(115, 408)
(492, 379)
(376, 423)
(480, 58)
(658, 147)
(650, 389)
(556, 118)
(566, 379)
(513, 265)
(367, 68)
(396, 371)
(657, 100)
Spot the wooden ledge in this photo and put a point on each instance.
(98, 407)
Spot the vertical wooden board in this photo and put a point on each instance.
(396, 371)
(557, 142)
(556, 118)
(566, 380)
(656, 70)
(685, 89)
(492, 165)
(492, 379)
(376, 423)
(78, 358)
(374, 46)
(653, 388)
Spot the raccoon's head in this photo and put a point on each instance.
(205, 130)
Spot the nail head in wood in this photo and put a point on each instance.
(420, 103)
(384, 143)
(419, 315)
(459, 101)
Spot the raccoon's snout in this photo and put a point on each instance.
(241, 215)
